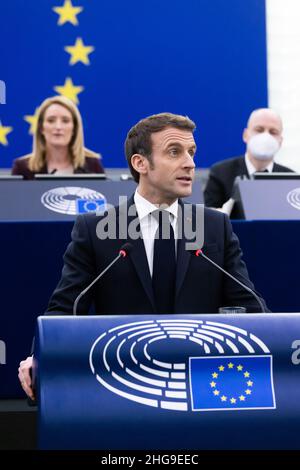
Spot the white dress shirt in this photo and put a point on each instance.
(149, 224)
(251, 168)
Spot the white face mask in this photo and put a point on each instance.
(263, 146)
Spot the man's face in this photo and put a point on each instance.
(264, 121)
(170, 172)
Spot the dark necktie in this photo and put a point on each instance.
(164, 264)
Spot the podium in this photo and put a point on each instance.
(168, 382)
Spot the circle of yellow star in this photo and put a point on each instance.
(67, 13)
(234, 368)
(4, 130)
(79, 52)
(32, 120)
(69, 90)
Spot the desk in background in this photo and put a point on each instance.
(64, 198)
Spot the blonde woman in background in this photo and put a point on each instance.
(58, 143)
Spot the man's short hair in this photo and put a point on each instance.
(139, 137)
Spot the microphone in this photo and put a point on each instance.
(123, 252)
(200, 253)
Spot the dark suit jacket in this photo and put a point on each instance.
(20, 167)
(127, 288)
(221, 178)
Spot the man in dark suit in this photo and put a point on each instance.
(263, 137)
(158, 276)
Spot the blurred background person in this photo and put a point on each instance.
(263, 138)
(58, 143)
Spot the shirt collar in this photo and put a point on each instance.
(145, 207)
(251, 168)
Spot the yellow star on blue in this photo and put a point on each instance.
(32, 120)
(4, 130)
(79, 52)
(67, 13)
(69, 90)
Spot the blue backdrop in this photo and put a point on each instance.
(206, 59)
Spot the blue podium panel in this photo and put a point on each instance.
(169, 382)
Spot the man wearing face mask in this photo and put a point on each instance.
(263, 138)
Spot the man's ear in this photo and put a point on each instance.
(140, 163)
(245, 135)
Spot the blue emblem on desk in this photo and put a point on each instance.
(91, 205)
(231, 383)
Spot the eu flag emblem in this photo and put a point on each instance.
(91, 205)
(232, 383)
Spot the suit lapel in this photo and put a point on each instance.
(183, 255)
(138, 254)
(183, 259)
(243, 167)
(140, 262)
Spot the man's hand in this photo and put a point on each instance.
(25, 376)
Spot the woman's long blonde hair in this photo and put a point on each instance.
(76, 147)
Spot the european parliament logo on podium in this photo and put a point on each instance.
(133, 361)
(73, 200)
